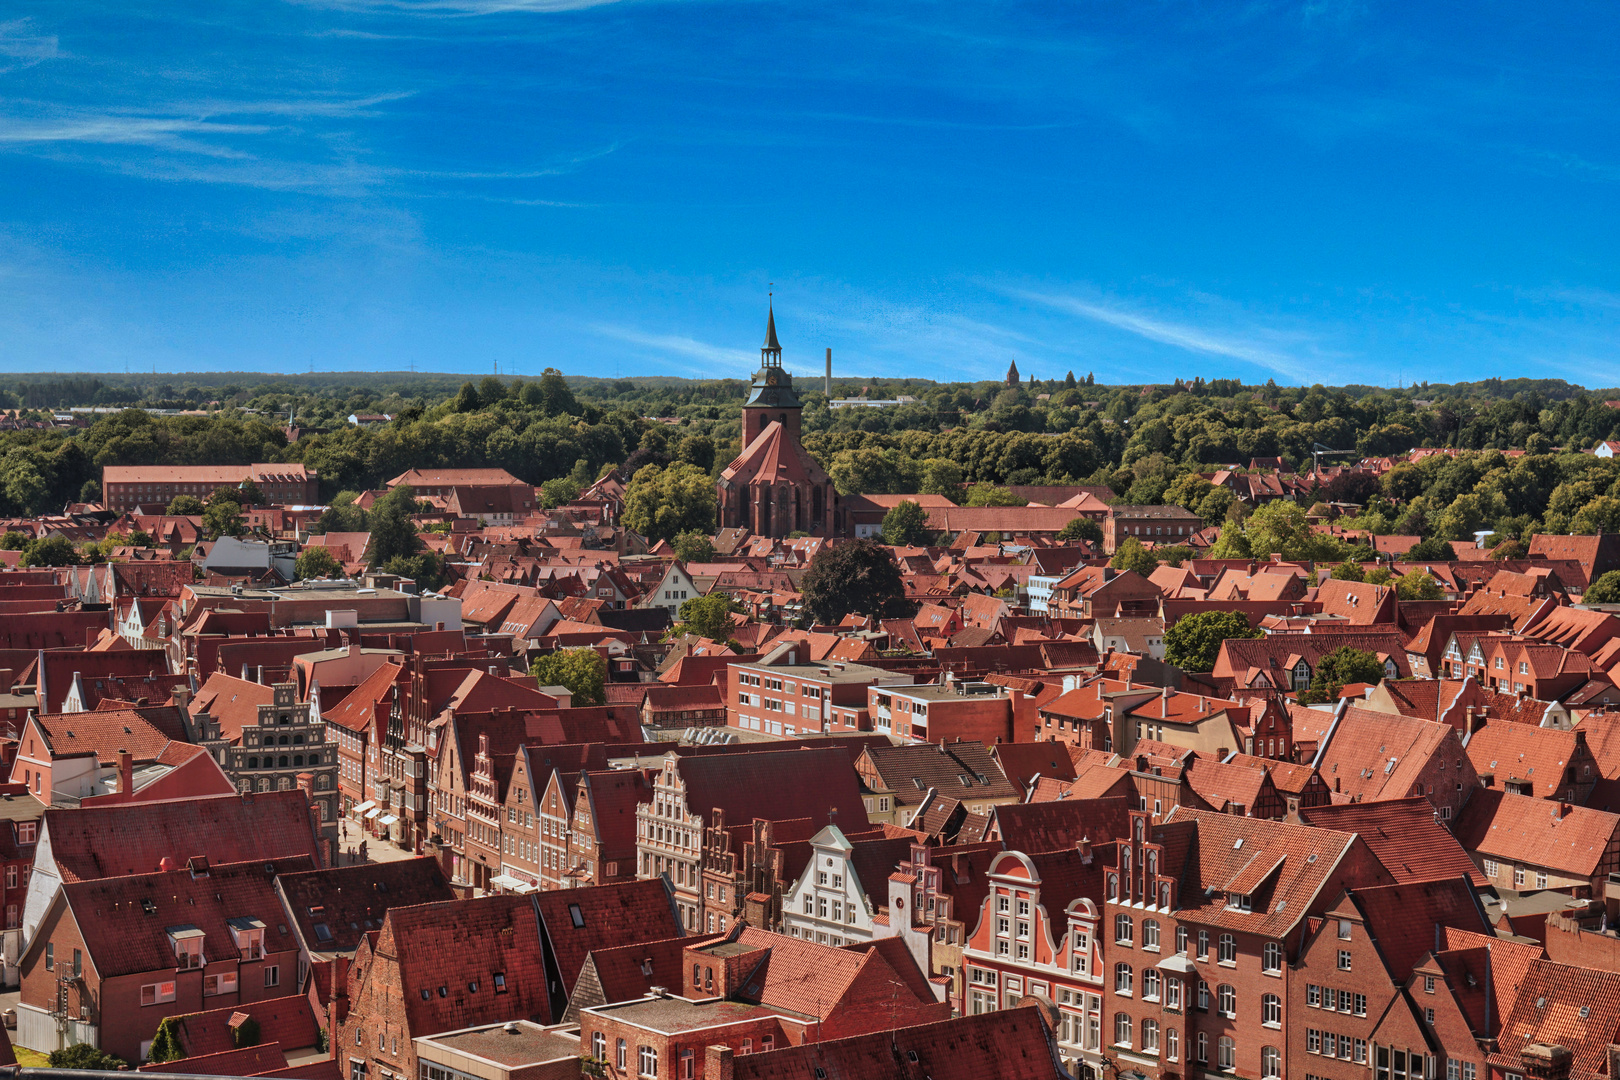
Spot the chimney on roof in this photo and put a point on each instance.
(126, 772)
(719, 1064)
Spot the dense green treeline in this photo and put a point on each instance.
(1145, 444)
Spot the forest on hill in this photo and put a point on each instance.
(1147, 444)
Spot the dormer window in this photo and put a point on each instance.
(187, 943)
(1238, 902)
(248, 934)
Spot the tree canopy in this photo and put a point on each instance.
(906, 525)
(1194, 642)
(582, 671)
(707, 616)
(1081, 528)
(661, 503)
(317, 562)
(1338, 669)
(859, 577)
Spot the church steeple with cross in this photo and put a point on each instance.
(775, 487)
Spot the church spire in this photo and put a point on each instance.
(771, 354)
(1012, 374)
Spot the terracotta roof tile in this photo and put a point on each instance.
(1013, 1044)
(135, 838)
(125, 920)
(1403, 835)
(1537, 832)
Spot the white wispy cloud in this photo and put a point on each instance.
(23, 47)
(455, 7)
(169, 132)
(713, 361)
(1265, 347)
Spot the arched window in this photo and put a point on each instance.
(1272, 961)
(1150, 1036)
(298, 761)
(1228, 950)
(1124, 931)
(1150, 933)
(253, 763)
(1271, 1010)
(283, 761)
(1226, 1000)
(1122, 1029)
(1227, 1058)
(1123, 978)
(1150, 984)
(1270, 1062)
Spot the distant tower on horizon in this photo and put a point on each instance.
(828, 385)
(1012, 374)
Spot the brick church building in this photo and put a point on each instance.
(775, 487)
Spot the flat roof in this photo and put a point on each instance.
(936, 692)
(828, 672)
(530, 1044)
(673, 1015)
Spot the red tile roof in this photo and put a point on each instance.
(135, 838)
(1404, 918)
(438, 953)
(248, 1061)
(774, 784)
(124, 920)
(348, 901)
(1013, 1044)
(1560, 1005)
(1536, 832)
(1373, 755)
(1052, 826)
(1284, 866)
(606, 915)
(284, 1020)
(1403, 835)
(1537, 756)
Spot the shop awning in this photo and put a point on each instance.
(507, 881)
(387, 821)
(373, 812)
(363, 807)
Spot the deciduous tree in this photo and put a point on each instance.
(859, 577)
(1194, 642)
(582, 671)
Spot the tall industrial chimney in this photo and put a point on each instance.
(829, 374)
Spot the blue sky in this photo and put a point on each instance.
(1333, 192)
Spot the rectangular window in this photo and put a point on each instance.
(214, 985)
(272, 975)
(1344, 959)
(157, 993)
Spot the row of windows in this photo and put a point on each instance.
(281, 762)
(1329, 1044)
(1325, 997)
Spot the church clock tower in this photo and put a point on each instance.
(772, 396)
(775, 487)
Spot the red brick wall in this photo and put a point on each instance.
(669, 1047)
